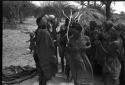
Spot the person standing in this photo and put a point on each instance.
(92, 50)
(79, 64)
(112, 65)
(45, 52)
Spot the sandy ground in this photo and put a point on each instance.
(15, 52)
(15, 46)
(58, 80)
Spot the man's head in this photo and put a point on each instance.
(93, 25)
(108, 25)
(41, 21)
(38, 20)
(75, 29)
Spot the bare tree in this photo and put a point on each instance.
(88, 2)
(108, 9)
(94, 3)
(17, 10)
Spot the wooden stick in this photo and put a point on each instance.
(65, 15)
(68, 27)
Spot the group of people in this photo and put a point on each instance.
(82, 50)
(107, 51)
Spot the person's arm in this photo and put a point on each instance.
(27, 41)
(51, 42)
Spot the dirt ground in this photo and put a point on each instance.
(15, 51)
(14, 44)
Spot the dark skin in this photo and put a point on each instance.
(62, 34)
(75, 35)
(41, 25)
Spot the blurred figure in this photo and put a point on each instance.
(32, 43)
(45, 52)
(112, 65)
(92, 50)
(79, 64)
(53, 21)
(122, 53)
(62, 43)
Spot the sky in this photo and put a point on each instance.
(118, 6)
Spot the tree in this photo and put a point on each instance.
(94, 3)
(88, 2)
(9, 10)
(38, 12)
(56, 8)
(25, 9)
(99, 8)
(17, 10)
(28, 9)
(108, 9)
(122, 13)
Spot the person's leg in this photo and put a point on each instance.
(62, 63)
(75, 83)
(42, 78)
(36, 61)
(122, 73)
(115, 82)
(105, 76)
(106, 80)
(67, 72)
(62, 58)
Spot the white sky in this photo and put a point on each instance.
(118, 7)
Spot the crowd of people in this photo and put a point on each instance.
(97, 47)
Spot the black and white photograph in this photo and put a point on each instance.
(63, 42)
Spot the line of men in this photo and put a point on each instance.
(106, 50)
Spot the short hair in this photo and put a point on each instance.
(38, 20)
(109, 24)
(93, 23)
(76, 26)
